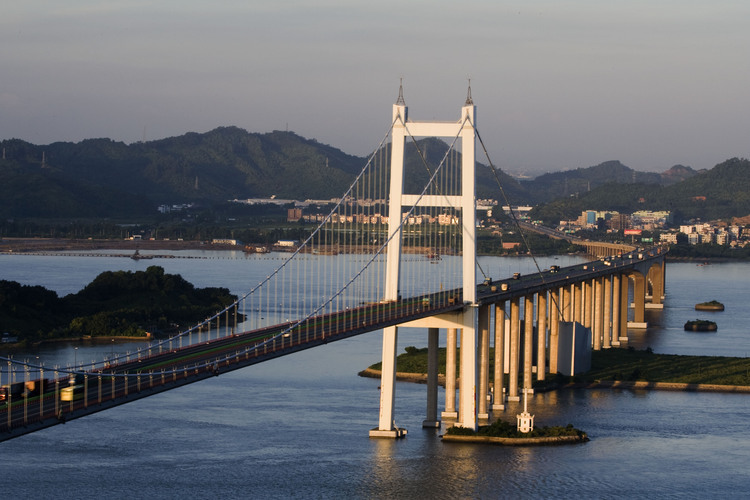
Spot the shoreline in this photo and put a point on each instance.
(26, 246)
(421, 378)
(30, 246)
(529, 441)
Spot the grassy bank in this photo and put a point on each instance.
(623, 365)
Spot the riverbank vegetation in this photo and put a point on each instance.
(619, 364)
(121, 303)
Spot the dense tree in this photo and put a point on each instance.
(115, 303)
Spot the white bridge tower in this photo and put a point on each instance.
(465, 320)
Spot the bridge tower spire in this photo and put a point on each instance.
(467, 319)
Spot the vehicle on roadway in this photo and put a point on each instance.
(72, 392)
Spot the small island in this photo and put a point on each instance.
(713, 305)
(700, 325)
(117, 304)
(504, 433)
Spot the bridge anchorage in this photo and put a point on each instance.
(381, 259)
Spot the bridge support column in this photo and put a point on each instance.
(588, 303)
(577, 302)
(498, 399)
(655, 275)
(639, 303)
(528, 342)
(598, 314)
(467, 391)
(386, 425)
(624, 288)
(567, 305)
(660, 276)
(541, 332)
(607, 318)
(515, 339)
(431, 415)
(484, 362)
(554, 328)
(616, 311)
(450, 374)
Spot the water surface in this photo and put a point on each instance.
(297, 426)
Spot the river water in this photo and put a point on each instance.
(297, 426)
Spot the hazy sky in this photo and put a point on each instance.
(558, 84)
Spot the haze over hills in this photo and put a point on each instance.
(104, 178)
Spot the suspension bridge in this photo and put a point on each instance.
(397, 250)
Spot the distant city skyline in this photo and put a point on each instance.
(558, 85)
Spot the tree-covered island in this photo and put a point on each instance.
(116, 303)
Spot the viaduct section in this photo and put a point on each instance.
(524, 319)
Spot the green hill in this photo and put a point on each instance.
(552, 186)
(101, 178)
(722, 192)
(104, 178)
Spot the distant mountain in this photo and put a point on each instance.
(678, 173)
(548, 187)
(104, 178)
(100, 177)
(36, 189)
(721, 192)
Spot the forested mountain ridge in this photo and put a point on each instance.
(551, 186)
(722, 192)
(104, 178)
(222, 164)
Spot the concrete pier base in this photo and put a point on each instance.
(498, 407)
(637, 325)
(449, 414)
(431, 424)
(390, 434)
